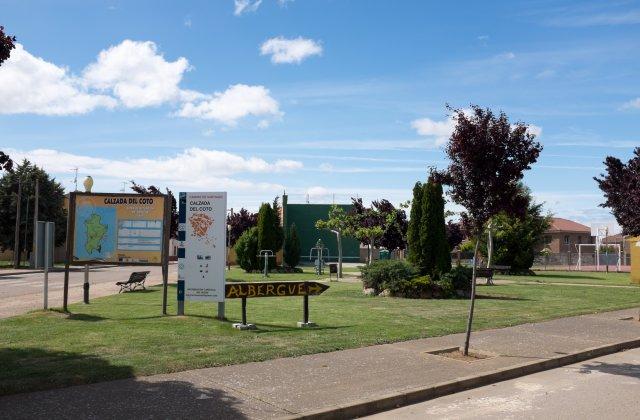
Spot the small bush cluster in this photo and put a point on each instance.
(401, 280)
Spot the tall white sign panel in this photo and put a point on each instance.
(202, 246)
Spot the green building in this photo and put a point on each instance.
(305, 217)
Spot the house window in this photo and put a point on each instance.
(566, 239)
(579, 239)
(547, 240)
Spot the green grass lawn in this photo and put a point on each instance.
(124, 335)
(576, 277)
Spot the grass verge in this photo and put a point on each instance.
(124, 335)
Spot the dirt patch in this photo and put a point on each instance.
(456, 353)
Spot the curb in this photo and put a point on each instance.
(361, 408)
(53, 270)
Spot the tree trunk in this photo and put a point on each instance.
(489, 247)
(370, 256)
(473, 298)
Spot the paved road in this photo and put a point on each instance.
(23, 292)
(605, 387)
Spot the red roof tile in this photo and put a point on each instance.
(563, 225)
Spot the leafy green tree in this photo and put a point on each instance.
(247, 250)
(292, 247)
(268, 233)
(277, 224)
(50, 208)
(338, 223)
(515, 238)
(434, 247)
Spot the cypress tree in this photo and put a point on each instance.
(267, 235)
(435, 257)
(413, 232)
(292, 248)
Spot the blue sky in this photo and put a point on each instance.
(320, 97)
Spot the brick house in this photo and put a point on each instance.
(563, 235)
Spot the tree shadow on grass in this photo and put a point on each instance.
(30, 369)
(86, 317)
(541, 277)
(622, 369)
(494, 297)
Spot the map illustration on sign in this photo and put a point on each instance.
(95, 232)
(200, 227)
(118, 228)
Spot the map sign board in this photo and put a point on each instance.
(202, 248)
(118, 228)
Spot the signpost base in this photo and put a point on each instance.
(306, 324)
(240, 326)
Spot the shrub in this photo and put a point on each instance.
(247, 250)
(387, 274)
(459, 277)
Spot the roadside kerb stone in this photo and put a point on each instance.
(367, 407)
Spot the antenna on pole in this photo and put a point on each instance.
(124, 186)
(75, 178)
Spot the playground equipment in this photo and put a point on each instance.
(601, 232)
(266, 254)
(321, 256)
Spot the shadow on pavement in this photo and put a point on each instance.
(622, 369)
(33, 368)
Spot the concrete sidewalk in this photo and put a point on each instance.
(292, 386)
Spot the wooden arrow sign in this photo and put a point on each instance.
(273, 289)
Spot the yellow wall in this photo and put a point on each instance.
(635, 260)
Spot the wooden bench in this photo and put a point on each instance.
(502, 269)
(485, 273)
(136, 279)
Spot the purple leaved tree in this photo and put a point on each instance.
(488, 158)
(621, 188)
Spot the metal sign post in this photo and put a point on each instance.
(86, 284)
(48, 251)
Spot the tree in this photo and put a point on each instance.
(338, 223)
(292, 248)
(239, 222)
(488, 159)
(6, 164)
(413, 232)
(621, 188)
(276, 208)
(268, 234)
(515, 238)
(50, 208)
(247, 250)
(395, 232)
(6, 45)
(455, 234)
(153, 190)
(436, 257)
(367, 225)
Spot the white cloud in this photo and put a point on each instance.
(283, 50)
(440, 131)
(132, 74)
(136, 74)
(236, 102)
(194, 167)
(243, 6)
(534, 129)
(29, 84)
(634, 103)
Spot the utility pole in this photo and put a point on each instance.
(34, 247)
(16, 238)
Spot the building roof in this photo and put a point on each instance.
(559, 224)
